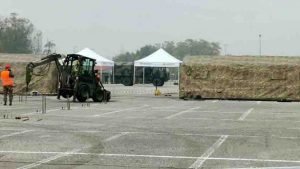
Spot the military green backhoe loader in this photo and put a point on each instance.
(76, 77)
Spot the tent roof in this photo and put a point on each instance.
(101, 61)
(160, 58)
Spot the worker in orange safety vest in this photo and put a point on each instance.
(7, 78)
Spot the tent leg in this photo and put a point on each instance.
(178, 75)
(133, 75)
(113, 74)
(178, 80)
(143, 75)
(101, 75)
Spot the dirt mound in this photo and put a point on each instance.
(241, 77)
(43, 84)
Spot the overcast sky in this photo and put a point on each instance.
(114, 26)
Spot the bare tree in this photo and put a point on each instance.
(37, 42)
(49, 47)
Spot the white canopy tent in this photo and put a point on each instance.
(101, 61)
(160, 58)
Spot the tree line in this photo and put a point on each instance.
(18, 35)
(189, 47)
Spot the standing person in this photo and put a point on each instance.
(7, 78)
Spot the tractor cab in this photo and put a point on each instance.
(78, 78)
(76, 69)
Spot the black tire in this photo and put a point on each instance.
(83, 93)
(98, 95)
(161, 83)
(158, 82)
(66, 95)
(108, 96)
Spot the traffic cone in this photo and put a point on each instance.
(157, 92)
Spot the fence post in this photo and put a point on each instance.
(44, 104)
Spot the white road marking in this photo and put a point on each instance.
(164, 107)
(16, 133)
(215, 101)
(17, 108)
(253, 159)
(44, 136)
(244, 115)
(28, 114)
(154, 133)
(30, 152)
(199, 162)
(112, 112)
(49, 159)
(182, 112)
(117, 111)
(12, 129)
(258, 102)
(34, 113)
(289, 167)
(152, 156)
(216, 119)
(208, 111)
(115, 136)
(112, 155)
(230, 112)
(52, 110)
(64, 154)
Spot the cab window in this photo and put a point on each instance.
(87, 67)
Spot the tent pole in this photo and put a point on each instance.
(143, 75)
(113, 74)
(101, 74)
(178, 74)
(178, 80)
(133, 75)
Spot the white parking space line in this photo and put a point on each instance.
(49, 159)
(289, 167)
(154, 133)
(16, 133)
(47, 111)
(115, 136)
(117, 111)
(182, 112)
(216, 119)
(29, 152)
(200, 161)
(253, 159)
(155, 156)
(52, 110)
(17, 108)
(244, 115)
(101, 154)
(112, 112)
(64, 154)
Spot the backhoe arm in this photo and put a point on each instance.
(48, 59)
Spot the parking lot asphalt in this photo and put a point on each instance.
(139, 130)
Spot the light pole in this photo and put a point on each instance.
(225, 49)
(259, 44)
